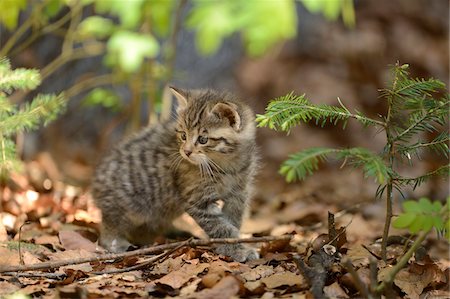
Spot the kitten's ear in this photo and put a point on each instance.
(228, 111)
(181, 96)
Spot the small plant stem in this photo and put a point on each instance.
(390, 157)
(401, 263)
(387, 223)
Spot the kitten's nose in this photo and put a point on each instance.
(187, 152)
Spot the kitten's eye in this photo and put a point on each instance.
(183, 136)
(202, 139)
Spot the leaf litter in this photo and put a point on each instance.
(60, 225)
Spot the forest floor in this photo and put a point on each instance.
(55, 226)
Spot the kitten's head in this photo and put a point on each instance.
(212, 126)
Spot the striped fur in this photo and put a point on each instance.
(206, 154)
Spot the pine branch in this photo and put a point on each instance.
(421, 121)
(18, 78)
(443, 170)
(371, 163)
(43, 109)
(438, 144)
(304, 163)
(288, 111)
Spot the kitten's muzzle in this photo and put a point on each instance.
(187, 152)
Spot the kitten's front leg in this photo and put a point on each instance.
(217, 224)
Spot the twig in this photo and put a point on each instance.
(40, 275)
(20, 242)
(147, 250)
(332, 234)
(148, 262)
(373, 278)
(371, 253)
(357, 280)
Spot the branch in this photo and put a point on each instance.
(401, 263)
(88, 84)
(147, 250)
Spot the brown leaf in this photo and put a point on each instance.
(72, 254)
(178, 278)
(335, 291)
(258, 273)
(413, 280)
(276, 246)
(7, 288)
(225, 289)
(283, 279)
(73, 240)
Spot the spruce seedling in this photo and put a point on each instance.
(14, 119)
(414, 107)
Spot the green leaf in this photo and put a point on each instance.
(417, 224)
(129, 12)
(262, 23)
(411, 206)
(404, 220)
(10, 10)
(438, 222)
(96, 26)
(103, 97)
(132, 48)
(425, 205)
(53, 7)
(160, 13)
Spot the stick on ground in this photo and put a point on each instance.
(143, 251)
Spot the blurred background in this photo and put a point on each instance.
(113, 60)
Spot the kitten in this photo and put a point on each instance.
(204, 156)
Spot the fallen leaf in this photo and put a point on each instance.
(334, 291)
(73, 240)
(72, 254)
(178, 278)
(283, 279)
(225, 289)
(191, 288)
(257, 225)
(7, 288)
(414, 279)
(258, 273)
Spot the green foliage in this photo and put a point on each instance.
(304, 163)
(14, 119)
(130, 49)
(103, 97)
(423, 215)
(415, 107)
(262, 23)
(10, 12)
(288, 111)
(332, 9)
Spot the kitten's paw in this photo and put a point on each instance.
(116, 245)
(238, 252)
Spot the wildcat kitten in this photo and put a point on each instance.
(206, 155)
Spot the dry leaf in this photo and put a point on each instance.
(73, 240)
(7, 288)
(258, 273)
(335, 291)
(178, 278)
(283, 279)
(225, 289)
(414, 279)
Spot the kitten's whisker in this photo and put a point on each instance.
(210, 171)
(216, 166)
